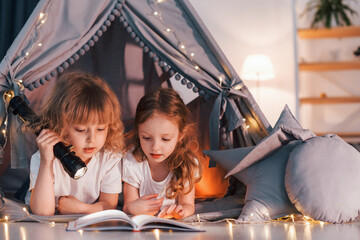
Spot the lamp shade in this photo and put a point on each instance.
(257, 67)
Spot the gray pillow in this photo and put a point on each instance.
(323, 179)
(262, 169)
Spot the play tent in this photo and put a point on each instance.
(136, 46)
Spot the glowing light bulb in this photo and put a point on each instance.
(27, 54)
(41, 15)
(221, 79)
(6, 218)
(292, 217)
(20, 81)
(248, 126)
(156, 13)
(39, 44)
(4, 131)
(168, 29)
(237, 87)
(192, 54)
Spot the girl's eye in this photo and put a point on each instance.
(79, 130)
(146, 138)
(101, 129)
(166, 139)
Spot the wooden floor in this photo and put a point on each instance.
(223, 230)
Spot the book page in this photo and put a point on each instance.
(105, 215)
(152, 222)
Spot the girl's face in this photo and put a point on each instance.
(87, 139)
(158, 138)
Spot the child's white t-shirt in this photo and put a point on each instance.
(103, 175)
(138, 175)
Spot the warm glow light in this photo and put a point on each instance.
(168, 29)
(292, 233)
(292, 218)
(252, 234)
(197, 67)
(192, 54)
(41, 15)
(27, 54)
(39, 44)
(257, 67)
(6, 231)
(198, 217)
(23, 233)
(231, 231)
(6, 218)
(267, 232)
(3, 131)
(156, 13)
(157, 234)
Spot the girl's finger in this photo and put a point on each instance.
(150, 196)
(171, 209)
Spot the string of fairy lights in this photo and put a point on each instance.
(7, 95)
(181, 43)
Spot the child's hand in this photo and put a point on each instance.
(46, 141)
(69, 204)
(147, 204)
(172, 211)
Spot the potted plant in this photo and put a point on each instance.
(329, 12)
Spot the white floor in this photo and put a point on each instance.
(267, 231)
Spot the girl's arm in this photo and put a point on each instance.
(184, 208)
(42, 201)
(135, 205)
(70, 204)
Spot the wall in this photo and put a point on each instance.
(242, 28)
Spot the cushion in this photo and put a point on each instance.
(322, 179)
(262, 169)
(266, 196)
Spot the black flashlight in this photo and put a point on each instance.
(72, 164)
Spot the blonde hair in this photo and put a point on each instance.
(185, 160)
(79, 97)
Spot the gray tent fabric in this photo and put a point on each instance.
(63, 35)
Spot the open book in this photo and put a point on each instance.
(118, 220)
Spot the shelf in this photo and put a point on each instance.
(340, 32)
(329, 100)
(340, 134)
(329, 66)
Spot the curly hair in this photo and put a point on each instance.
(76, 99)
(185, 160)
